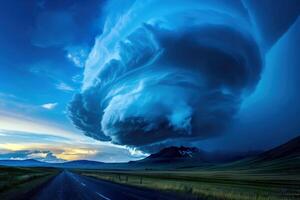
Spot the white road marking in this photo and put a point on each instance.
(101, 195)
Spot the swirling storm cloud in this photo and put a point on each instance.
(165, 72)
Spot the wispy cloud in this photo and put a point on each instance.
(64, 87)
(76, 60)
(10, 122)
(77, 55)
(49, 106)
(77, 78)
(14, 104)
(7, 96)
(44, 70)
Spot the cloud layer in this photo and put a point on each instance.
(167, 72)
(41, 155)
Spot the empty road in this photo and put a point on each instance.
(71, 186)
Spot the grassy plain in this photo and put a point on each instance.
(246, 180)
(16, 181)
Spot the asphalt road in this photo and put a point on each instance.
(71, 186)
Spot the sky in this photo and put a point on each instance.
(103, 81)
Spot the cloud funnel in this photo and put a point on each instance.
(168, 72)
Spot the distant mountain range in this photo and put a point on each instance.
(81, 164)
(35, 163)
(23, 163)
(175, 157)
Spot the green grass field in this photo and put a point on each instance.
(242, 180)
(15, 181)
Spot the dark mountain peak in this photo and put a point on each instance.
(176, 152)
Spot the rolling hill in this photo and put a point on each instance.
(286, 150)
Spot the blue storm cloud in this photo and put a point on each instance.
(168, 72)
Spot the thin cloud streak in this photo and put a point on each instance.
(64, 87)
(49, 106)
(22, 124)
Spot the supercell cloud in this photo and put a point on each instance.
(167, 71)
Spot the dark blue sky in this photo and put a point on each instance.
(99, 80)
(36, 39)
